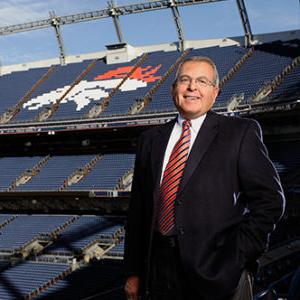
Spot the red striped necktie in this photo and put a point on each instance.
(171, 179)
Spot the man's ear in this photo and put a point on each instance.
(217, 92)
(173, 89)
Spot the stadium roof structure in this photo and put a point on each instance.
(114, 11)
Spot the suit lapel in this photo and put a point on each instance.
(206, 135)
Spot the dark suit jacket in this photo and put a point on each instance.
(229, 200)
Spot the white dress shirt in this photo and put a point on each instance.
(176, 133)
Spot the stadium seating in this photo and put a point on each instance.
(27, 278)
(13, 167)
(15, 85)
(23, 230)
(68, 236)
(50, 90)
(259, 69)
(106, 173)
(85, 231)
(289, 87)
(53, 174)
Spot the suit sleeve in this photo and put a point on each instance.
(133, 253)
(261, 187)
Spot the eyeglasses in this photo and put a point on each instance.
(200, 81)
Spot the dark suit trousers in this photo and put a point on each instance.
(167, 279)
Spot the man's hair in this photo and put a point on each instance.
(206, 59)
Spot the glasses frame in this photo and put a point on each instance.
(201, 81)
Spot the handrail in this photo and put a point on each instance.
(83, 172)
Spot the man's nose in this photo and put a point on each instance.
(192, 85)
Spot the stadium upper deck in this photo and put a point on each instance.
(90, 90)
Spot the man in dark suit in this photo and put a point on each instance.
(205, 198)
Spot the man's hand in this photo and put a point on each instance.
(132, 288)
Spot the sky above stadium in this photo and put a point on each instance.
(203, 21)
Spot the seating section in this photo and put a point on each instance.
(53, 174)
(13, 167)
(106, 172)
(259, 69)
(23, 230)
(15, 85)
(26, 278)
(68, 234)
(61, 264)
(135, 87)
(51, 90)
(100, 280)
(85, 231)
(289, 87)
(118, 250)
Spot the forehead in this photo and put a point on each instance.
(197, 68)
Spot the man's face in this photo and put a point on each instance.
(191, 97)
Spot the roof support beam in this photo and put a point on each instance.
(115, 17)
(55, 24)
(178, 23)
(245, 22)
(100, 14)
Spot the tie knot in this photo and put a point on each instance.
(186, 124)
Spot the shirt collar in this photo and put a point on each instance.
(195, 123)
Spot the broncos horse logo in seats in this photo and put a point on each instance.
(87, 91)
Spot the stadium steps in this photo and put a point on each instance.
(139, 105)
(4, 220)
(80, 173)
(125, 181)
(28, 174)
(106, 173)
(87, 237)
(49, 111)
(108, 241)
(96, 110)
(11, 112)
(266, 90)
(39, 243)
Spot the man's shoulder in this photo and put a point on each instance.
(235, 121)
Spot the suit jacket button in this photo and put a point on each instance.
(179, 202)
(181, 231)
